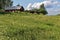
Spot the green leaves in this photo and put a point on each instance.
(5, 3)
(43, 10)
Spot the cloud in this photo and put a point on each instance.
(47, 4)
(50, 3)
(53, 11)
(29, 6)
(33, 6)
(37, 5)
(52, 6)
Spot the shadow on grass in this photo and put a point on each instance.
(3, 13)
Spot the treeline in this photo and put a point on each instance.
(8, 3)
(5, 3)
(41, 10)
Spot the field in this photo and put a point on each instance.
(25, 26)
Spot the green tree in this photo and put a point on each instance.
(18, 5)
(5, 3)
(43, 10)
(40, 10)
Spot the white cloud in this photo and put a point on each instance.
(56, 3)
(53, 11)
(50, 3)
(47, 3)
(36, 5)
(29, 6)
(33, 6)
(52, 6)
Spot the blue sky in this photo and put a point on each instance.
(25, 2)
(52, 6)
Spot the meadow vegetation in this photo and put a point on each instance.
(27, 26)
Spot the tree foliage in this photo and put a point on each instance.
(40, 10)
(5, 3)
(43, 10)
(18, 5)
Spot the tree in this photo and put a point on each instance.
(5, 3)
(43, 10)
(18, 4)
(40, 10)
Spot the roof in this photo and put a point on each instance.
(13, 7)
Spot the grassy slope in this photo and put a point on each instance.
(25, 26)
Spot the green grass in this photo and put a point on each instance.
(26, 26)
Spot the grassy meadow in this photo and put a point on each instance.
(26, 26)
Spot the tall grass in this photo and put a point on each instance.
(26, 26)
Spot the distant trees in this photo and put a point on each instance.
(18, 5)
(5, 3)
(43, 10)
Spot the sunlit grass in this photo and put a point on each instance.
(27, 26)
